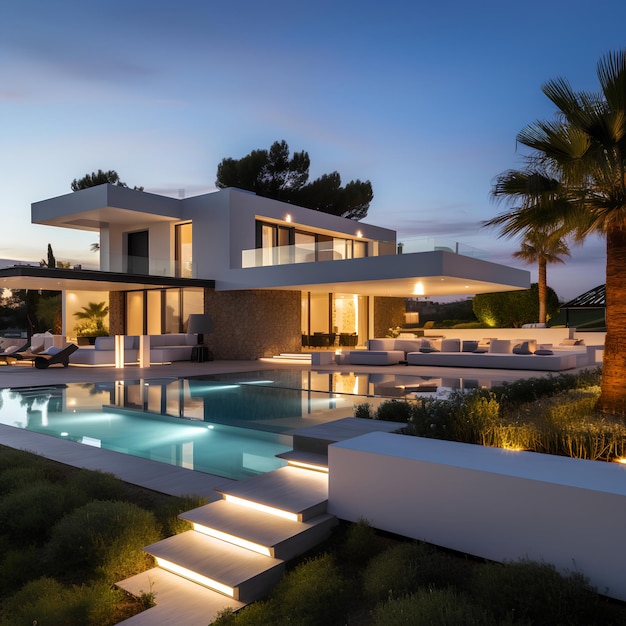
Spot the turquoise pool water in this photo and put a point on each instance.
(231, 425)
(232, 428)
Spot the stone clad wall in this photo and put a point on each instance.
(388, 313)
(254, 323)
(117, 312)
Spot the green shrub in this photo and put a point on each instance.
(20, 476)
(47, 602)
(313, 593)
(168, 512)
(93, 485)
(436, 607)
(29, 514)
(360, 543)
(17, 567)
(408, 566)
(394, 411)
(363, 411)
(10, 458)
(262, 613)
(105, 538)
(538, 593)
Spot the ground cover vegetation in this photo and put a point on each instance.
(364, 578)
(67, 535)
(552, 415)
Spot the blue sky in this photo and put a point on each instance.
(423, 99)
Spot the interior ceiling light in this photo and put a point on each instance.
(418, 290)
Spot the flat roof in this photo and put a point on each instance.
(62, 279)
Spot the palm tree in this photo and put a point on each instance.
(585, 145)
(537, 191)
(542, 246)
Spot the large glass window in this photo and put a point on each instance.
(161, 310)
(154, 312)
(334, 319)
(184, 256)
(134, 313)
(305, 248)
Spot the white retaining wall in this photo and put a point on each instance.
(488, 502)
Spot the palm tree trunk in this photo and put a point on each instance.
(613, 386)
(542, 288)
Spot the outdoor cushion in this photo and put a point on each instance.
(501, 346)
(406, 345)
(428, 350)
(451, 345)
(9, 349)
(52, 350)
(544, 352)
(36, 349)
(572, 342)
(526, 347)
(469, 346)
(104, 343)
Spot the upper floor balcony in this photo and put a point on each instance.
(336, 251)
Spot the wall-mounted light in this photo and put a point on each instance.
(288, 218)
(359, 234)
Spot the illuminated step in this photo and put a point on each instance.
(177, 600)
(289, 357)
(306, 460)
(289, 492)
(228, 569)
(257, 531)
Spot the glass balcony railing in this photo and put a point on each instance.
(428, 244)
(337, 251)
(152, 266)
(315, 252)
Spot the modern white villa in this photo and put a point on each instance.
(273, 276)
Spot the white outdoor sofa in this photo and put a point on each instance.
(490, 353)
(163, 349)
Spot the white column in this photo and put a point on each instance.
(144, 351)
(119, 351)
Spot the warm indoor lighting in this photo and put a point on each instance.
(237, 541)
(195, 577)
(270, 510)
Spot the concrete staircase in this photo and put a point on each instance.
(237, 549)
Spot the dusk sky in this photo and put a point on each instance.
(423, 99)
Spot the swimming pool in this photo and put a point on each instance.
(230, 425)
(231, 428)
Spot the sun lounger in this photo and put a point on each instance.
(44, 360)
(13, 355)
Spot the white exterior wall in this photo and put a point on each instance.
(209, 215)
(492, 503)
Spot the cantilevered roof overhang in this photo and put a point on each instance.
(436, 273)
(93, 208)
(57, 279)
